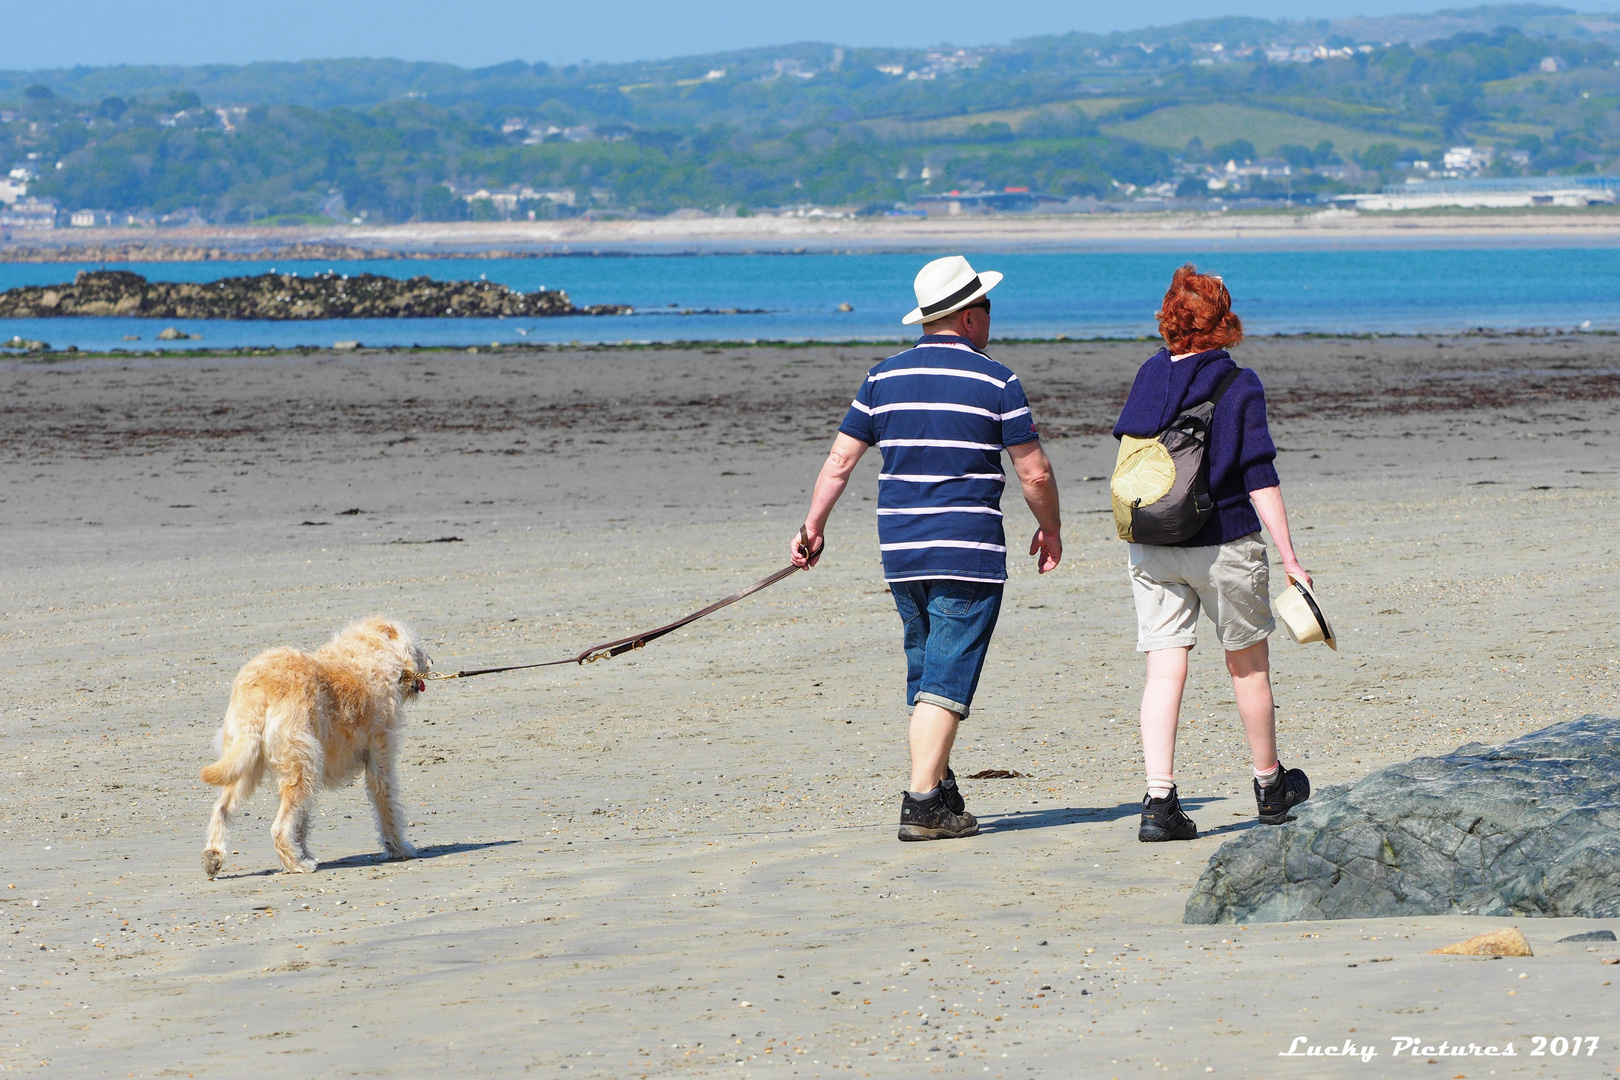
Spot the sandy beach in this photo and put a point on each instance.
(684, 232)
(682, 862)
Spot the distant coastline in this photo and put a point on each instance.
(703, 235)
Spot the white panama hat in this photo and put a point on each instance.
(1299, 611)
(946, 286)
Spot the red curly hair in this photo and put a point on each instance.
(1196, 315)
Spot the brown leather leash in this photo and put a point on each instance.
(609, 649)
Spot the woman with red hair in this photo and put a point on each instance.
(1222, 568)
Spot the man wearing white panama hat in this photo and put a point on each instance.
(941, 413)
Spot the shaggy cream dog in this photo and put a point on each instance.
(317, 719)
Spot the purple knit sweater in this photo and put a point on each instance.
(1240, 453)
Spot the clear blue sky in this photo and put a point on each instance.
(480, 32)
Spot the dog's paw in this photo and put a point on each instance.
(213, 862)
(402, 850)
(301, 866)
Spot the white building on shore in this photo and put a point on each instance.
(505, 200)
(1494, 194)
(29, 213)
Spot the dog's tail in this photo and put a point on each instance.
(241, 746)
(241, 758)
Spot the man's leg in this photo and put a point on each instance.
(959, 619)
(926, 810)
(933, 733)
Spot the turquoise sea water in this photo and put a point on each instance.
(1044, 295)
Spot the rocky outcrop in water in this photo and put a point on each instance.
(1528, 828)
(285, 296)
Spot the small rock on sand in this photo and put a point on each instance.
(1508, 942)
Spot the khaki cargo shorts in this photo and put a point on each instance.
(1230, 581)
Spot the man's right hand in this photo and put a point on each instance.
(846, 451)
(1048, 549)
(805, 549)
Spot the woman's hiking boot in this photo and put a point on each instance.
(1162, 819)
(952, 793)
(1291, 788)
(933, 819)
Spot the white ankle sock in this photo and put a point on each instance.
(1160, 787)
(1269, 777)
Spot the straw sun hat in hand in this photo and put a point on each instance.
(1299, 611)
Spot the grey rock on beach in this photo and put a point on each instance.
(1527, 828)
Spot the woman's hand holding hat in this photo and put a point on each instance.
(1299, 611)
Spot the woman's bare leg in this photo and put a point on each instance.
(1251, 686)
(1161, 712)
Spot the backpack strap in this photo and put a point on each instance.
(1224, 385)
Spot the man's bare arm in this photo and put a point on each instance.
(846, 453)
(1040, 492)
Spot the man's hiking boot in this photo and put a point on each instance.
(952, 794)
(1291, 788)
(933, 819)
(1162, 819)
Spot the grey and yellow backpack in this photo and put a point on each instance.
(1161, 483)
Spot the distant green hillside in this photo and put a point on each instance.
(1267, 129)
(1348, 104)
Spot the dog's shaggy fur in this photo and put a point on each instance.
(317, 718)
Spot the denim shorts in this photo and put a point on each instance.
(947, 630)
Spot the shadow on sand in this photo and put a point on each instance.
(1074, 815)
(1231, 827)
(377, 858)
(431, 851)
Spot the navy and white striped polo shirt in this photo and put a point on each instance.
(941, 413)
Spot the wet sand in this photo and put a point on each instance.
(682, 862)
